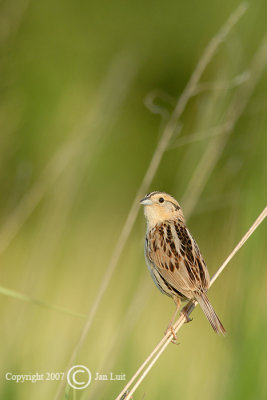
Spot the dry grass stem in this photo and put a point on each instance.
(153, 357)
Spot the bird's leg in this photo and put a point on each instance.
(170, 325)
(185, 311)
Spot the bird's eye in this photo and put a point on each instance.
(161, 200)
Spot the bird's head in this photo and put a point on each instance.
(159, 207)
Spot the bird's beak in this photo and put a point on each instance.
(146, 202)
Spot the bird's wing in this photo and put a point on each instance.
(176, 256)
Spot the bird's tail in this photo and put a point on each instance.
(211, 315)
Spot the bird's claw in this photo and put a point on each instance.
(172, 331)
(187, 318)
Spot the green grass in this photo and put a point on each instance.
(74, 79)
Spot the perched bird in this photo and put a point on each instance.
(173, 257)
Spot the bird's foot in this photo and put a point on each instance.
(187, 318)
(184, 312)
(172, 331)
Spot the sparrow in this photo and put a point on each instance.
(173, 258)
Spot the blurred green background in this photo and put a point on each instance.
(76, 140)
